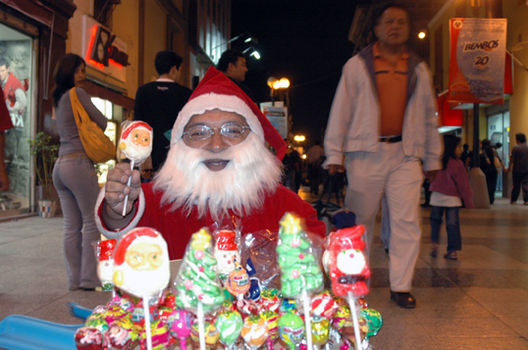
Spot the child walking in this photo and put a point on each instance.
(450, 191)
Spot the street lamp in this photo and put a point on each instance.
(277, 84)
(299, 138)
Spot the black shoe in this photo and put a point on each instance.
(88, 289)
(403, 299)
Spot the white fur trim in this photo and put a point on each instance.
(117, 234)
(207, 102)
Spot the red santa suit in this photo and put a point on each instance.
(215, 91)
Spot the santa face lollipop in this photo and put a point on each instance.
(136, 141)
(105, 266)
(142, 263)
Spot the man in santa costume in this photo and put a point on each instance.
(218, 168)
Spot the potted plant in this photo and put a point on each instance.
(45, 151)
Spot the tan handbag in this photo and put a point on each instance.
(97, 145)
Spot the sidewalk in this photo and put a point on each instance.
(477, 302)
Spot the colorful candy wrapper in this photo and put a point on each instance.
(324, 305)
(136, 144)
(211, 334)
(272, 321)
(142, 268)
(105, 265)
(197, 287)
(229, 325)
(301, 273)
(118, 338)
(88, 338)
(348, 269)
(254, 331)
(291, 329)
(373, 320)
(180, 326)
(269, 300)
(320, 330)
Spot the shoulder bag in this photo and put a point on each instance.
(98, 147)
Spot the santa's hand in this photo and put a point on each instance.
(116, 188)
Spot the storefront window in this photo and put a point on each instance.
(107, 108)
(16, 76)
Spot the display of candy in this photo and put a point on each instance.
(324, 305)
(88, 338)
(229, 325)
(291, 329)
(211, 333)
(320, 330)
(254, 331)
(299, 266)
(136, 141)
(226, 252)
(269, 300)
(180, 326)
(196, 281)
(347, 265)
(142, 263)
(105, 265)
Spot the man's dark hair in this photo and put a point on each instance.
(378, 12)
(4, 62)
(520, 137)
(465, 147)
(165, 60)
(229, 56)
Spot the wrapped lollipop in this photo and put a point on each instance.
(105, 265)
(320, 330)
(197, 287)
(301, 273)
(180, 326)
(254, 331)
(142, 268)
(272, 321)
(226, 252)
(324, 305)
(348, 269)
(136, 144)
(88, 338)
(229, 325)
(291, 329)
(210, 336)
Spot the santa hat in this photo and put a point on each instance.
(137, 235)
(226, 240)
(132, 126)
(217, 91)
(105, 249)
(348, 238)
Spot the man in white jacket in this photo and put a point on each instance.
(382, 123)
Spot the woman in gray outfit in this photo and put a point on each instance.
(75, 178)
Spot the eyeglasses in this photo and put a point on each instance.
(202, 132)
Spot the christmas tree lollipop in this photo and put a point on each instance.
(299, 266)
(136, 144)
(348, 269)
(197, 287)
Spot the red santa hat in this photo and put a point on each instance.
(139, 234)
(132, 126)
(217, 91)
(348, 238)
(226, 240)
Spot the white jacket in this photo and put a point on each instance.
(354, 120)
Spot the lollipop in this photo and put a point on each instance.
(320, 330)
(226, 252)
(269, 300)
(324, 305)
(88, 338)
(254, 331)
(118, 338)
(136, 145)
(197, 288)
(180, 326)
(229, 325)
(272, 321)
(291, 329)
(210, 336)
(348, 268)
(142, 268)
(300, 268)
(105, 266)
(373, 320)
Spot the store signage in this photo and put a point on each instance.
(476, 65)
(102, 51)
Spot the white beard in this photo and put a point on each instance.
(253, 171)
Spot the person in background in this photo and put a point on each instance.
(487, 165)
(465, 157)
(74, 176)
(158, 104)
(233, 64)
(519, 167)
(315, 157)
(5, 124)
(383, 121)
(499, 164)
(450, 191)
(14, 94)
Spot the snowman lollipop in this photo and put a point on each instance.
(136, 145)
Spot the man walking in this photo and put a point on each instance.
(159, 102)
(519, 164)
(382, 122)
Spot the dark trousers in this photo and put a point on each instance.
(491, 182)
(519, 179)
(454, 239)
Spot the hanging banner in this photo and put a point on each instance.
(476, 65)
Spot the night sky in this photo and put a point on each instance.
(305, 41)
